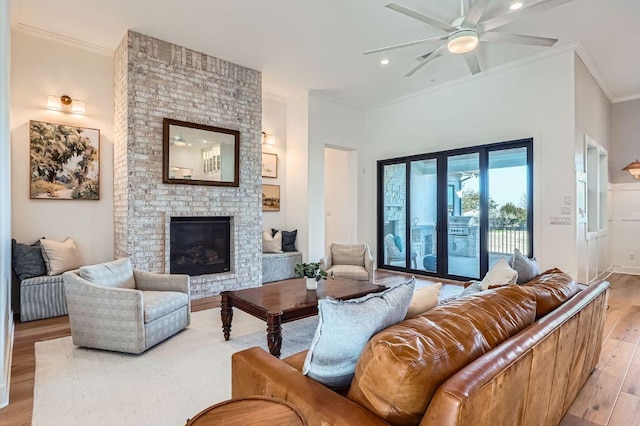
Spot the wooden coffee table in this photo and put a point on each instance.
(285, 301)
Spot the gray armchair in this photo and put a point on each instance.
(115, 307)
(352, 261)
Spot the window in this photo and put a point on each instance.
(455, 213)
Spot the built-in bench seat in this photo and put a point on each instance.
(279, 266)
(42, 297)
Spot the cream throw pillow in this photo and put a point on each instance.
(60, 257)
(424, 299)
(272, 244)
(500, 274)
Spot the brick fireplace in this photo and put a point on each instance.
(155, 79)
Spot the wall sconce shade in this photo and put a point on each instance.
(634, 169)
(62, 103)
(268, 139)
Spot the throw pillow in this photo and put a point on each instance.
(60, 257)
(288, 239)
(398, 240)
(27, 260)
(344, 328)
(117, 274)
(391, 247)
(527, 268)
(500, 273)
(272, 244)
(475, 287)
(423, 299)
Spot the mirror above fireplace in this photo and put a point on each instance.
(197, 154)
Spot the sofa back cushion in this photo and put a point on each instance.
(551, 289)
(348, 254)
(118, 273)
(401, 367)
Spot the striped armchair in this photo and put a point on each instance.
(115, 307)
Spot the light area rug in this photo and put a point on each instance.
(165, 385)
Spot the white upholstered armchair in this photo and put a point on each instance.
(115, 307)
(352, 261)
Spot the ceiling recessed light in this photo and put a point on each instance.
(384, 62)
(515, 5)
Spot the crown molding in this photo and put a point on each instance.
(273, 97)
(590, 64)
(322, 95)
(38, 32)
(626, 98)
(484, 74)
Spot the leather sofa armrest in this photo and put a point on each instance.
(256, 372)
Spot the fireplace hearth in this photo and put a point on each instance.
(199, 245)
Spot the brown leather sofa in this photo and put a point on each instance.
(508, 356)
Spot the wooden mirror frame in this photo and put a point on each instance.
(167, 122)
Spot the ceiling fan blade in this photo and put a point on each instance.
(426, 60)
(472, 62)
(411, 43)
(475, 13)
(525, 12)
(421, 17)
(517, 38)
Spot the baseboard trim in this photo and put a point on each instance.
(632, 270)
(8, 357)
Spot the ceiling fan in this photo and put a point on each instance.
(464, 33)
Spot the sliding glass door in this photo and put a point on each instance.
(455, 213)
(463, 224)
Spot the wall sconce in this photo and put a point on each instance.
(268, 139)
(65, 104)
(634, 169)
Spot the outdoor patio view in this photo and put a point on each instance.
(506, 202)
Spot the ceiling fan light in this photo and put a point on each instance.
(462, 41)
(515, 5)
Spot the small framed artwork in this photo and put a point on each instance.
(64, 162)
(270, 198)
(269, 165)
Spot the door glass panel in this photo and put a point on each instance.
(508, 204)
(424, 213)
(463, 231)
(394, 214)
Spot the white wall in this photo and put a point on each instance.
(332, 125)
(6, 330)
(625, 148)
(625, 139)
(340, 196)
(274, 122)
(41, 67)
(297, 164)
(532, 99)
(593, 119)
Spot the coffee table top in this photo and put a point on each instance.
(292, 297)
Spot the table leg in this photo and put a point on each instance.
(226, 313)
(274, 334)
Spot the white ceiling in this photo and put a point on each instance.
(318, 44)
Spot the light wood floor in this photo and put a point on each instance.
(611, 396)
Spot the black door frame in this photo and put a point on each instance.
(442, 213)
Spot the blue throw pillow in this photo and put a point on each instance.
(345, 327)
(398, 239)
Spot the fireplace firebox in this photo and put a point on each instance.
(199, 245)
